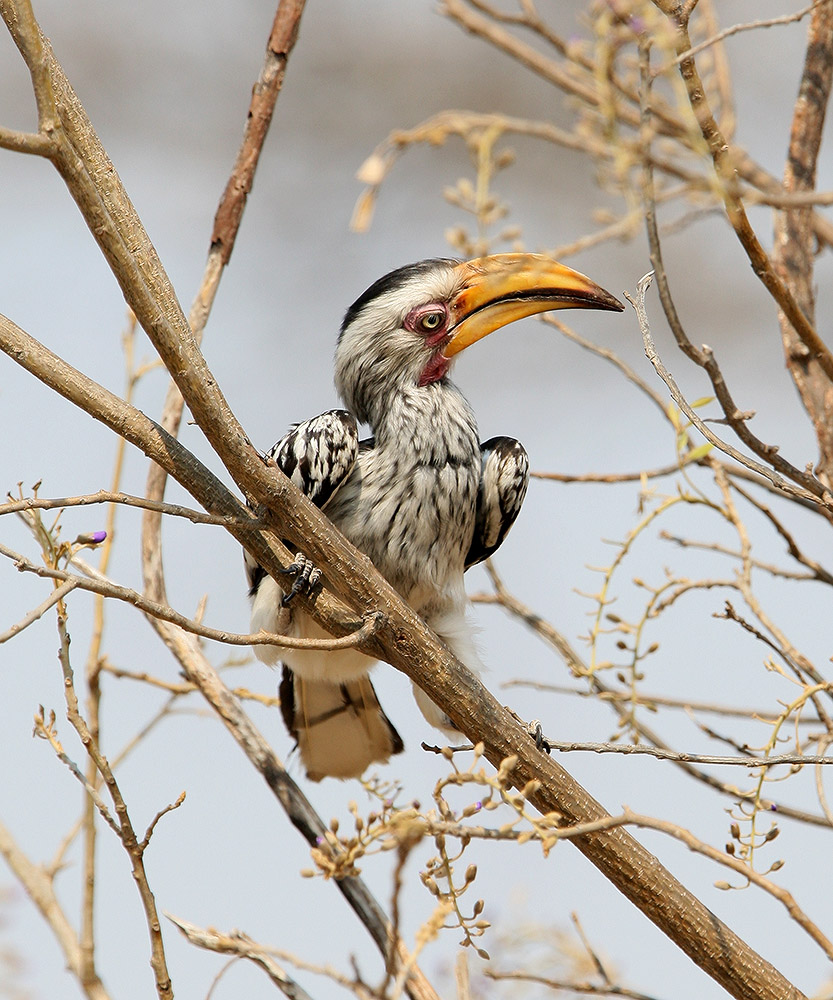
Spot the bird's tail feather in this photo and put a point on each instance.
(340, 729)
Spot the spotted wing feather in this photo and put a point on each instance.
(317, 455)
(503, 482)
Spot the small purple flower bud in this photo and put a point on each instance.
(91, 538)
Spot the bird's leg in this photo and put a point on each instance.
(306, 575)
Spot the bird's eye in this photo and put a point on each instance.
(431, 321)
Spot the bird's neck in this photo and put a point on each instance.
(434, 421)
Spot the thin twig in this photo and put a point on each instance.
(816, 569)
(639, 749)
(45, 729)
(704, 356)
(58, 594)
(126, 832)
(603, 352)
(567, 986)
(735, 211)
(549, 634)
(771, 568)
(38, 883)
(735, 29)
(824, 497)
(153, 823)
(112, 497)
(611, 477)
(239, 944)
(650, 701)
(100, 585)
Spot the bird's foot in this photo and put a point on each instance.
(536, 731)
(306, 575)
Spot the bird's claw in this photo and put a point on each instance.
(306, 575)
(536, 731)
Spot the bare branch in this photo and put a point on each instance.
(403, 639)
(609, 477)
(26, 142)
(735, 211)
(162, 812)
(106, 588)
(125, 830)
(57, 595)
(704, 356)
(240, 944)
(557, 641)
(227, 219)
(114, 497)
(45, 729)
(587, 989)
(794, 250)
(824, 496)
(296, 805)
(265, 93)
(39, 888)
(769, 22)
(741, 868)
(650, 701)
(639, 749)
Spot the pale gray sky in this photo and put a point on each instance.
(167, 87)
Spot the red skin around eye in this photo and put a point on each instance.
(412, 321)
(438, 365)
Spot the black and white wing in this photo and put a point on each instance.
(317, 455)
(339, 727)
(503, 482)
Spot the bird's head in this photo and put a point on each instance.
(407, 328)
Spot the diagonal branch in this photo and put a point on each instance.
(36, 613)
(296, 805)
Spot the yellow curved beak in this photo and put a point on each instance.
(499, 289)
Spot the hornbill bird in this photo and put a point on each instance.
(422, 497)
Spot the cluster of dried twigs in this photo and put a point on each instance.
(654, 115)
